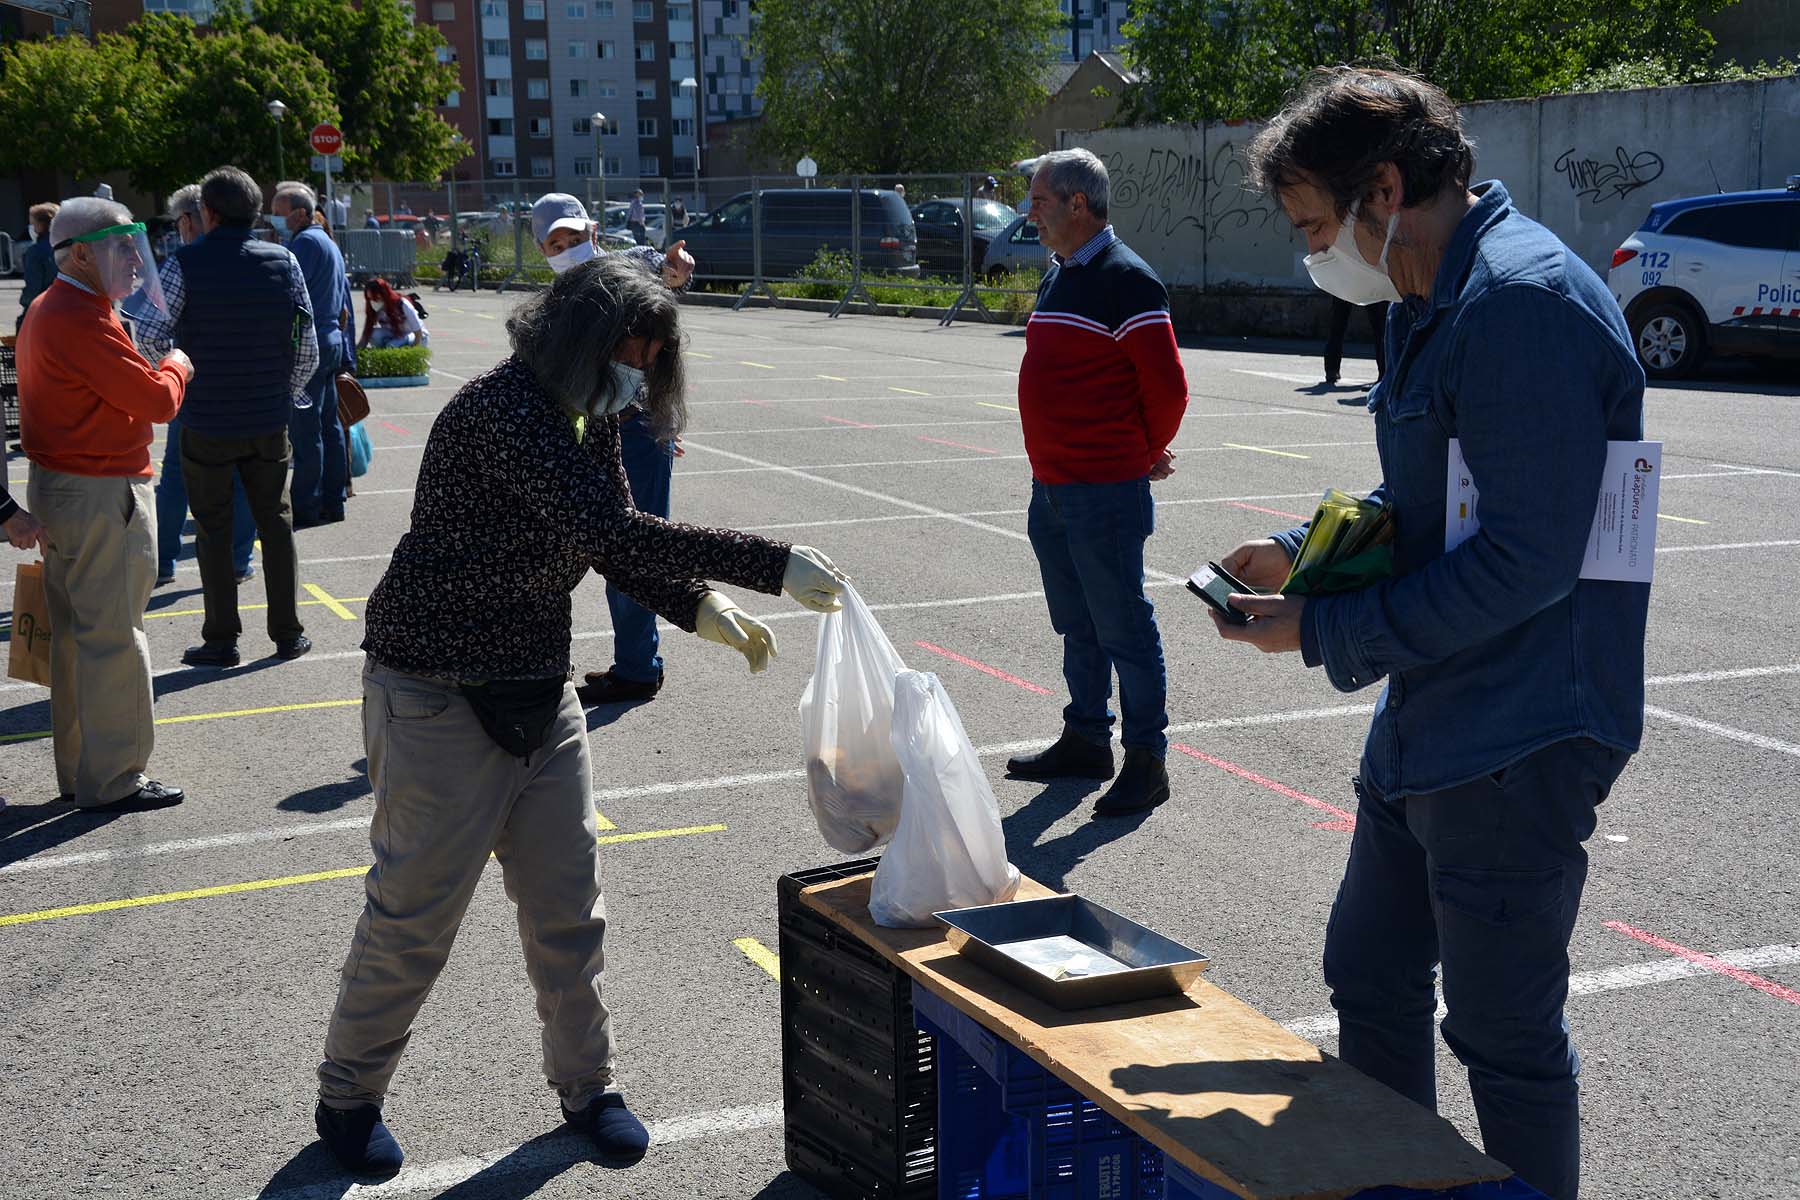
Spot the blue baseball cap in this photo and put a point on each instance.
(558, 210)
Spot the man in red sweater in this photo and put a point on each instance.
(1101, 395)
(87, 401)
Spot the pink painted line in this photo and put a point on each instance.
(1273, 512)
(758, 403)
(1345, 822)
(848, 421)
(984, 668)
(1708, 961)
(396, 428)
(958, 445)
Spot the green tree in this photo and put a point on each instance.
(84, 107)
(384, 73)
(872, 85)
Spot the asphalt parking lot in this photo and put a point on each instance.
(173, 971)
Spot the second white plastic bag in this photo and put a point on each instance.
(853, 780)
(949, 851)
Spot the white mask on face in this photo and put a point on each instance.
(627, 381)
(1341, 270)
(574, 256)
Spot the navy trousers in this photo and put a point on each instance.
(650, 469)
(321, 472)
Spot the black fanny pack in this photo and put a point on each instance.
(517, 713)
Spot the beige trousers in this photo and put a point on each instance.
(446, 796)
(98, 575)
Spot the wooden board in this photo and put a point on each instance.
(1224, 1090)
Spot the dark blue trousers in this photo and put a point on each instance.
(1485, 878)
(1089, 540)
(172, 512)
(650, 469)
(321, 472)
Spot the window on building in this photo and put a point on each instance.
(578, 87)
(646, 89)
(493, 8)
(537, 89)
(649, 164)
(646, 51)
(582, 125)
(453, 100)
(443, 54)
(614, 166)
(643, 10)
(537, 48)
(584, 167)
(603, 9)
(682, 127)
(731, 9)
(578, 50)
(681, 12)
(539, 127)
(496, 47)
(646, 126)
(607, 50)
(610, 127)
(606, 88)
(682, 166)
(443, 10)
(541, 167)
(681, 49)
(502, 167)
(500, 126)
(499, 87)
(575, 12)
(533, 10)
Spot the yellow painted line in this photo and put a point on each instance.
(455, 310)
(217, 716)
(746, 362)
(486, 317)
(760, 954)
(1266, 450)
(262, 885)
(835, 378)
(1683, 520)
(329, 601)
(1001, 407)
(340, 601)
(695, 354)
(600, 821)
(907, 391)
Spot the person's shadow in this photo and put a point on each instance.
(522, 1171)
(1050, 862)
(329, 797)
(28, 829)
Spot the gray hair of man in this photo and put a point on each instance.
(185, 202)
(569, 334)
(84, 214)
(1066, 172)
(298, 195)
(232, 195)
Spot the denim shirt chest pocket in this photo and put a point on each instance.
(1413, 428)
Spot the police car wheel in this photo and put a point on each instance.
(1669, 341)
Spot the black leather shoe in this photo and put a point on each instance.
(1143, 783)
(618, 1136)
(152, 795)
(293, 647)
(358, 1139)
(212, 654)
(604, 687)
(1071, 757)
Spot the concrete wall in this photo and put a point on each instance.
(1587, 166)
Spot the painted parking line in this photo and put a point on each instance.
(399, 429)
(332, 603)
(996, 672)
(907, 391)
(834, 378)
(759, 954)
(1342, 821)
(1267, 450)
(764, 366)
(1003, 407)
(1663, 516)
(845, 421)
(217, 716)
(1730, 733)
(1273, 512)
(1728, 546)
(1315, 380)
(261, 885)
(841, 423)
(956, 445)
(450, 375)
(1707, 961)
(339, 601)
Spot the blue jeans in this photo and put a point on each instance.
(320, 469)
(1089, 539)
(172, 512)
(1485, 878)
(649, 467)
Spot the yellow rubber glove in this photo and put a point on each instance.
(721, 621)
(813, 581)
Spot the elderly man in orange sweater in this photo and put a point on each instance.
(87, 402)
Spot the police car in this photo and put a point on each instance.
(1712, 274)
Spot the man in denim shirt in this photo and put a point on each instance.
(1515, 689)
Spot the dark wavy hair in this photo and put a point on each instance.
(1342, 123)
(391, 314)
(569, 333)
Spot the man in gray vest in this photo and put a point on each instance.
(239, 306)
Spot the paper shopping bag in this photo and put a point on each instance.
(30, 656)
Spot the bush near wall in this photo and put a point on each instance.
(386, 362)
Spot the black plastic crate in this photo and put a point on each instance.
(859, 1080)
(9, 390)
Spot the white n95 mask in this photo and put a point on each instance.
(626, 382)
(1341, 270)
(574, 256)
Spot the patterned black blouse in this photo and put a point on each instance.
(510, 512)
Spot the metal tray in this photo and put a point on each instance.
(1072, 952)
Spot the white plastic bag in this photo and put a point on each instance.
(949, 851)
(853, 779)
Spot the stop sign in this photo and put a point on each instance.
(327, 139)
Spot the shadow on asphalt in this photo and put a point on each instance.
(28, 829)
(313, 1169)
(329, 797)
(1050, 862)
(191, 677)
(788, 1186)
(521, 1172)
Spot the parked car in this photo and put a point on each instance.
(1712, 274)
(1017, 248)
(940, 226)
(797, 223)
(653, 221)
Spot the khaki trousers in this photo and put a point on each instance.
(98, 575)
(446, 796)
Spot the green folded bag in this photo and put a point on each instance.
(1362, 570)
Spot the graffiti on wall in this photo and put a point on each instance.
(1597, 180)
(1158, 192)
(1233, 208)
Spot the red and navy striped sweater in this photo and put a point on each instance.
(1101, 390)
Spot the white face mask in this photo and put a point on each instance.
(574, 256)
(627, 382)
(1341, 270)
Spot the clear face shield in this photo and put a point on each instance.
(126, 267)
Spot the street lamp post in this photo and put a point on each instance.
(599, 123)
(455, 228)
(692, 86)
(278, 110)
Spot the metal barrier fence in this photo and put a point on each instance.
(10, 263)
(948, 239)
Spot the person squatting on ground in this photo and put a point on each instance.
(88, 400)
(389, 319)
(476, 741)
(171, 487)
(560, 225)
(321, 468)
(1515, 689)
(239, 306)
(1101, 396)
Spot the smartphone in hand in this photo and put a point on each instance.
(1213, 584)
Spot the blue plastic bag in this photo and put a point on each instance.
(361, 451)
